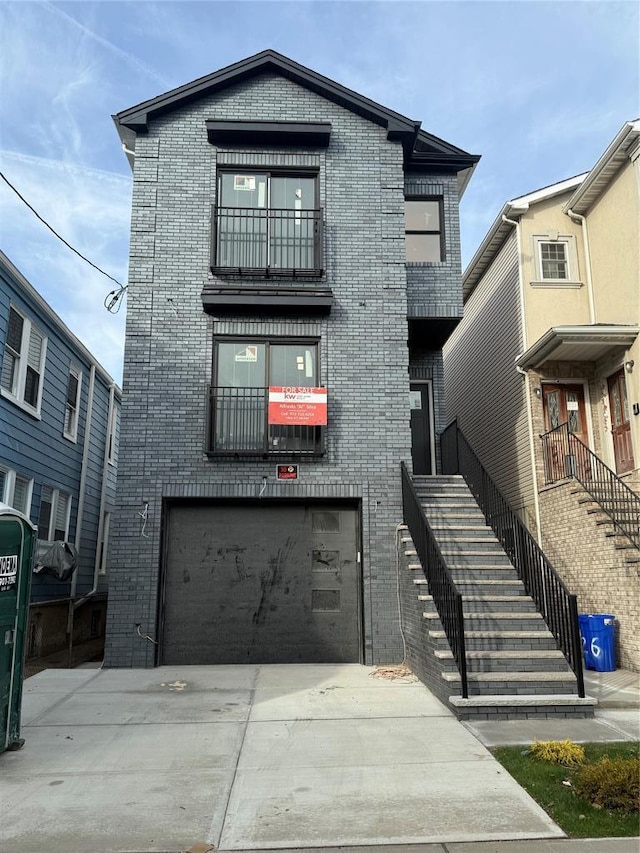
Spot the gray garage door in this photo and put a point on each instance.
(261, 583)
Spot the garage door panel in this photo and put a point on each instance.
(261, 584)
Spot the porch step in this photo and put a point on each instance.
(511, 640)
(521, 707)
(485, 604)
(514, 683)
(508, 660)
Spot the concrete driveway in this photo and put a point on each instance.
(249, 757)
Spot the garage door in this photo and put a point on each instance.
(261, 583)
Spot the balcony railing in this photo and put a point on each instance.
(238, 426)
(565, 456)
(557, 605)
(267, 242)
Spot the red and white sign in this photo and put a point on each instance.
(292, 406)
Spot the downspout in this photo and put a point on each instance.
(81, 500)
(527, 383)
(577, 217)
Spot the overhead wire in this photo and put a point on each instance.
(113, 298)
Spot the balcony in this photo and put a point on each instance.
(261, 242)
(238, 426)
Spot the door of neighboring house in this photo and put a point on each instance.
(421, 428)
(563, 404)
(620, 424)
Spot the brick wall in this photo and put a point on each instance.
(168, 352)
(591, 566)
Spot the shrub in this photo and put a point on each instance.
(612, 784)
(564, 752)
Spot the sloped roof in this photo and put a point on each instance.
(421, 149)
(618, 152)
(500, 230)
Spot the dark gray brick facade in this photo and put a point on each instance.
(364, 354)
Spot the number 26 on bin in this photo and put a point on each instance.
(594, 648)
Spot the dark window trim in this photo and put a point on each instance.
(270, 172)
(209, 450)
(301, 134)
(440, 200)
(265, 339)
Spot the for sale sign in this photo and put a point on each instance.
(293, 406)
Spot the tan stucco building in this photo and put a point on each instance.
(543, 375)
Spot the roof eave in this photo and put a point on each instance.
(543, 348)
(610, 161)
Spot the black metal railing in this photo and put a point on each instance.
(238, 425)
(559, 607)
(566, 456)
(281, 242)
(446, 597)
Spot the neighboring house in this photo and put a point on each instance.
(549, 347)
(58, 455)
(294, 272)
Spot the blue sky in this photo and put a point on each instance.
(537, 88)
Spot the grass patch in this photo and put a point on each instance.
(574, 815)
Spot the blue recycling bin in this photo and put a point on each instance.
(597, 633)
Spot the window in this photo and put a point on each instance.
(423, 230)
(103, 545)
(268, 221)
(55, 509)
(555, 260)
(72, 404)
(15, 490)
(244, 370)
(23, 362)
(111, 437)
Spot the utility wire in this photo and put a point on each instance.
(114, 294)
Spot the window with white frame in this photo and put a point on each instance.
(111, 437)
(55, 511)
(15, 490)
(72, 404)
(555, 259)
(103, 545)
(23, 362)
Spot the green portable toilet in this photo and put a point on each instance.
(17, 547)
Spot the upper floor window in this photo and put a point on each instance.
(424, 235)
(267, 222)
(55, 511)
(72, 404)
(23, 362)
(554, 262)
(15, 490)
(555, 259)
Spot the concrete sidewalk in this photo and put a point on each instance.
(261, 757)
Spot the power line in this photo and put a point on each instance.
(68, 245)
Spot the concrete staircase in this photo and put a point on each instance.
(603, 520)
(515, 669)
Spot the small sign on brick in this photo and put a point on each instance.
(286, 472)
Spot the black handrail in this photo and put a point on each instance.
(446, 597)
(558, 606)
(566, 456)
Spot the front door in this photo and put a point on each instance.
(620, 425)
(563, 404)
(421, 431)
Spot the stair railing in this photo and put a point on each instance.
(446, 597)
(559, 607)
(566, 456)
